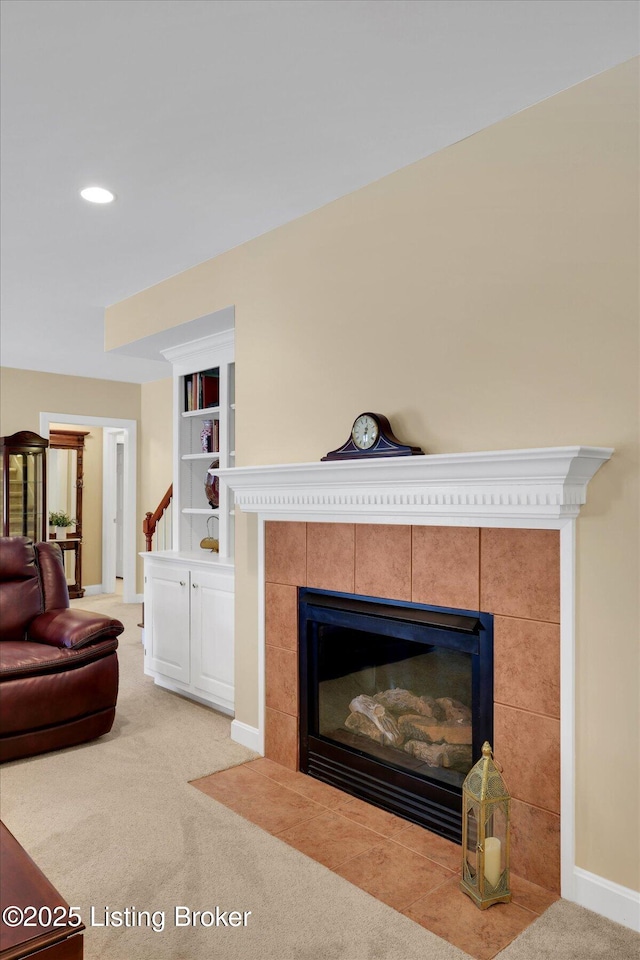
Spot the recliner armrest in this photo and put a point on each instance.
(72, 628)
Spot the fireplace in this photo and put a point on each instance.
(490, 531)
(396, 700)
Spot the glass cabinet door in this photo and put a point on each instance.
(24, 485)
(25, 495)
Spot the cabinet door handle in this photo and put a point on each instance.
(195, 586)
(183, 583)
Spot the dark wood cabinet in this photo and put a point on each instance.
(66, 463)
(24, 485)
(72, 546)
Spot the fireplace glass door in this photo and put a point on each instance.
(395, 701)
(406, 703)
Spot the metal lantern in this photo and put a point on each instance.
(486, 812)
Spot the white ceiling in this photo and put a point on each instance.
(217, 120)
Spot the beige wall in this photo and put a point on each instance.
(25, 394)
(156, 442)
(485, 297)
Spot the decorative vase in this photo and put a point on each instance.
(206, 436)
(212, 485)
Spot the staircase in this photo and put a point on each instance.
(158, 524)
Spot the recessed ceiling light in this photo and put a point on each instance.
(97, 195)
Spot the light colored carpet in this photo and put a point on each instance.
(568, 932)
(115, 824)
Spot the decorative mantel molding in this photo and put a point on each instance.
(514, 487)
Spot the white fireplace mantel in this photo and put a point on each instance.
(510, 487)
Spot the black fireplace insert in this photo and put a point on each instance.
(396, 700)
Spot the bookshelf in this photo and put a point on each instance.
(204, 391)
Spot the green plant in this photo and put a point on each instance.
(60, 519)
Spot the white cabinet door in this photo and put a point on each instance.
(167, 639)
(212, 635)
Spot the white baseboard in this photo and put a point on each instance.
(247, 736)
(168, 684)
(607, 898)
(95, 588)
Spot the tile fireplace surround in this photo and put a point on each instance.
(489, 531)
(514, 574)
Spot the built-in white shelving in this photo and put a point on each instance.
(203, 370)
(211, 413)
(203, 456)
(189, 590)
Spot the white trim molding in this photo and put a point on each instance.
(184, 355)
(494, 487)
(93, 590)
(247, 736)
(541, 488)
(607, 898)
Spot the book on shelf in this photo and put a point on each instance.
(202, 390)
(209, 389)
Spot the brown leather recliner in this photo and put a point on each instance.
(58, 665)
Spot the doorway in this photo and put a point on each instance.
(116, 433)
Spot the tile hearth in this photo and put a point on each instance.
(399, 863)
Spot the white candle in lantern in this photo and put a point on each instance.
(492, 868)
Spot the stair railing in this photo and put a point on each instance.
(158, 525)
(159, 522)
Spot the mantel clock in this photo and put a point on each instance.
(372, 436)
